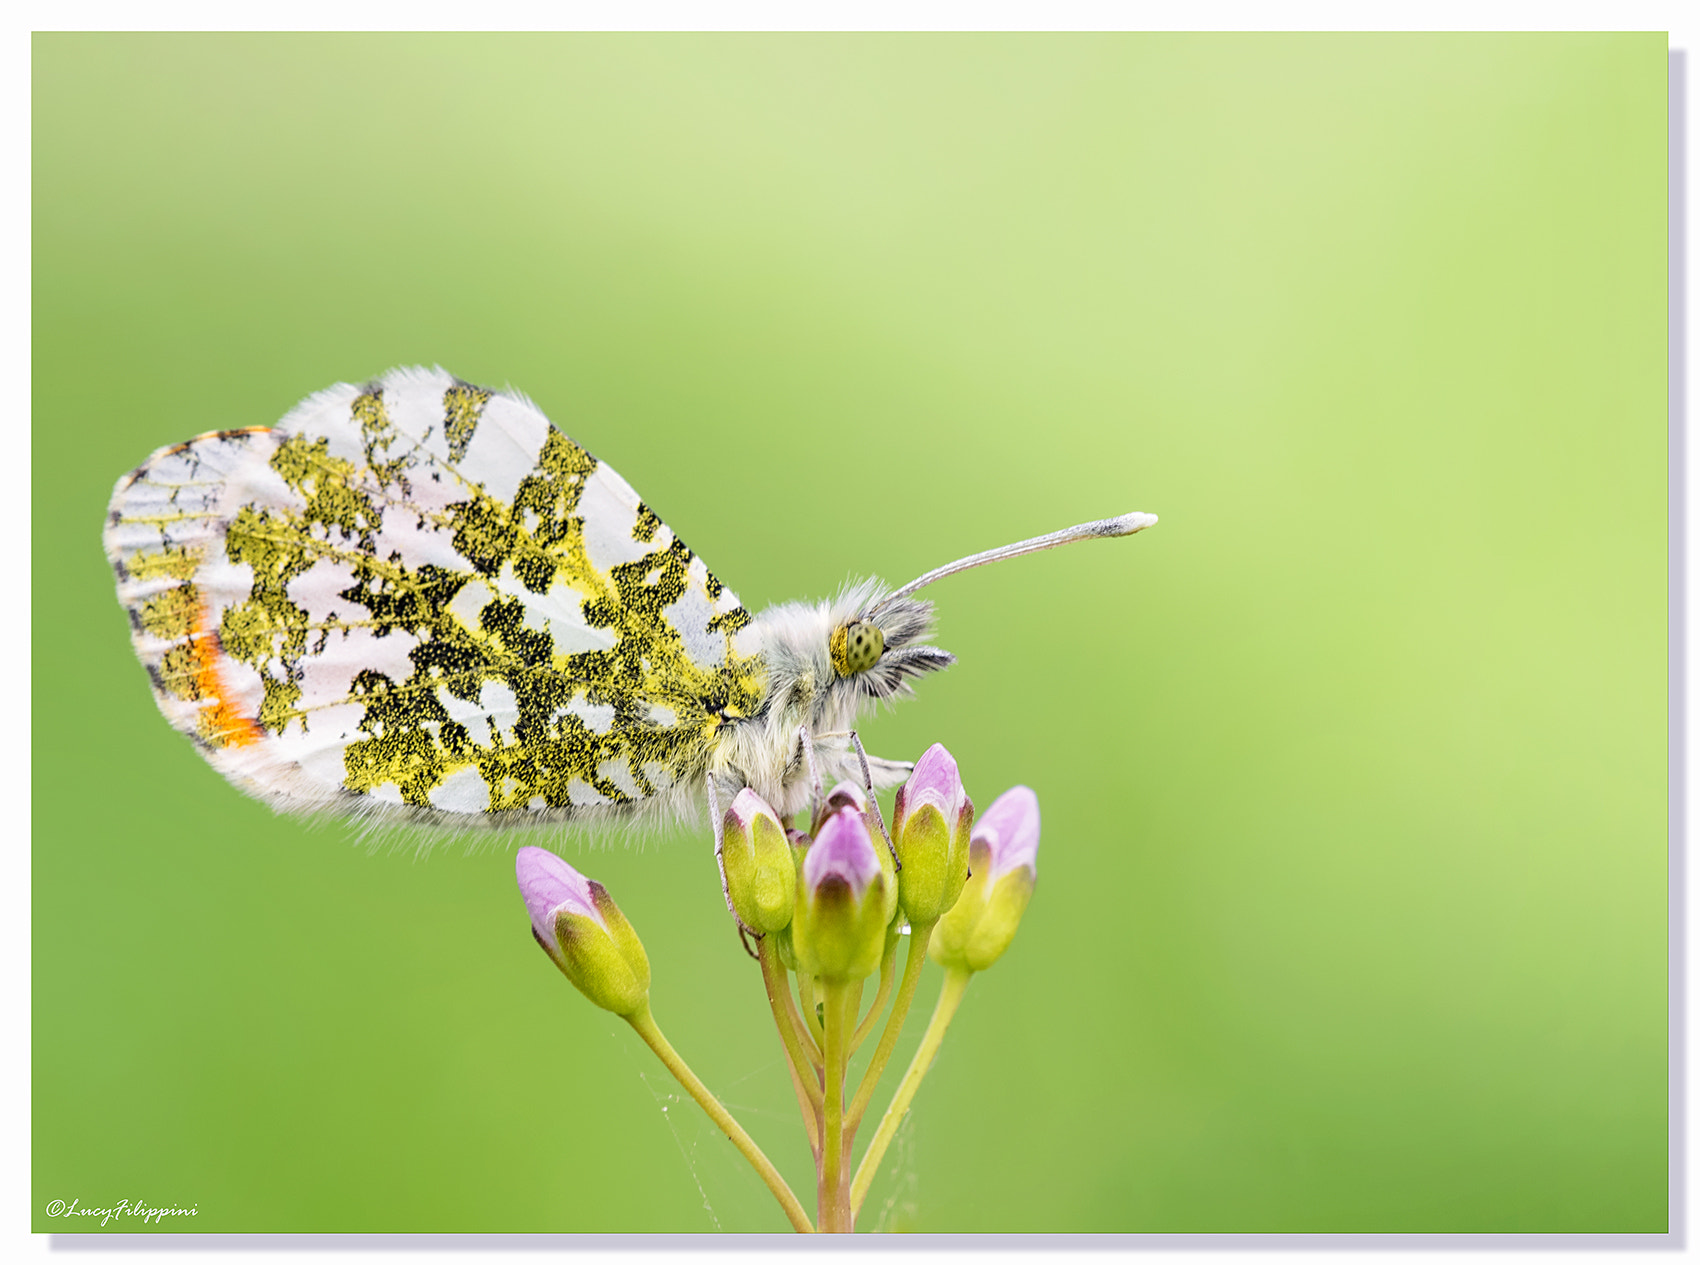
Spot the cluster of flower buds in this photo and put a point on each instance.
(836, 892)
(830, 905)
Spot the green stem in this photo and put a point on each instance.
(644, 1024)
(918, 937)
(806, 994)
(888, 971)
(805, 1032)
(779, 999)
(950, 997)
(810, 1110)
(834, 1210)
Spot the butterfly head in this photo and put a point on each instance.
(878, 645)
(825, 662)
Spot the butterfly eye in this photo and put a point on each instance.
(855, 647)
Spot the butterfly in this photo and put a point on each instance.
(417, 601)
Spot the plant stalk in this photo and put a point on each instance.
(950, 997)
(834, 1209)
(803, 1061)
(806, 995)
(643, 1023)
(918, 938)
(888, 970)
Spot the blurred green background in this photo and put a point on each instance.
(1351, 913)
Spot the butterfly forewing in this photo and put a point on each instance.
(419, 593)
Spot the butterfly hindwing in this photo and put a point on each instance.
(418, 593)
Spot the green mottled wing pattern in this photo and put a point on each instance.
(418, 597)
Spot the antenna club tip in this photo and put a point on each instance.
(1126, 524)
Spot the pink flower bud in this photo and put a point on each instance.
(550, 885)
(1010, 831)
(931, 833)
(583, 932)
(850, 795)
(842, 911)
(843, 849)
(844, 795)
(1003, 851)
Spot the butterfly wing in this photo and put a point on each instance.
(418, 598)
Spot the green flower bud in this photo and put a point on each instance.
(1002, 855)
(761, 873)
(931, 830)
(842, 909)
(583, 932)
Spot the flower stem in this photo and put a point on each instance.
(918, 938)
(834, 1210)
(950, 996)
(805, 1032)
(806, 994)
(779, 999)
(888, 970)
(644, 1024)
(811, 1112)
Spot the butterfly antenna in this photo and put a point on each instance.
(1125, 525)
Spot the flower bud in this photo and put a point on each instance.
(1002, 855)
(842, 911)
(931, 831)
(848, 795)
(583, 931)
(761, 873)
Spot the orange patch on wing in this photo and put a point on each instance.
(222, 723)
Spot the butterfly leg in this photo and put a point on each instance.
(719, 825)
(816, 788)
(868, 783)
